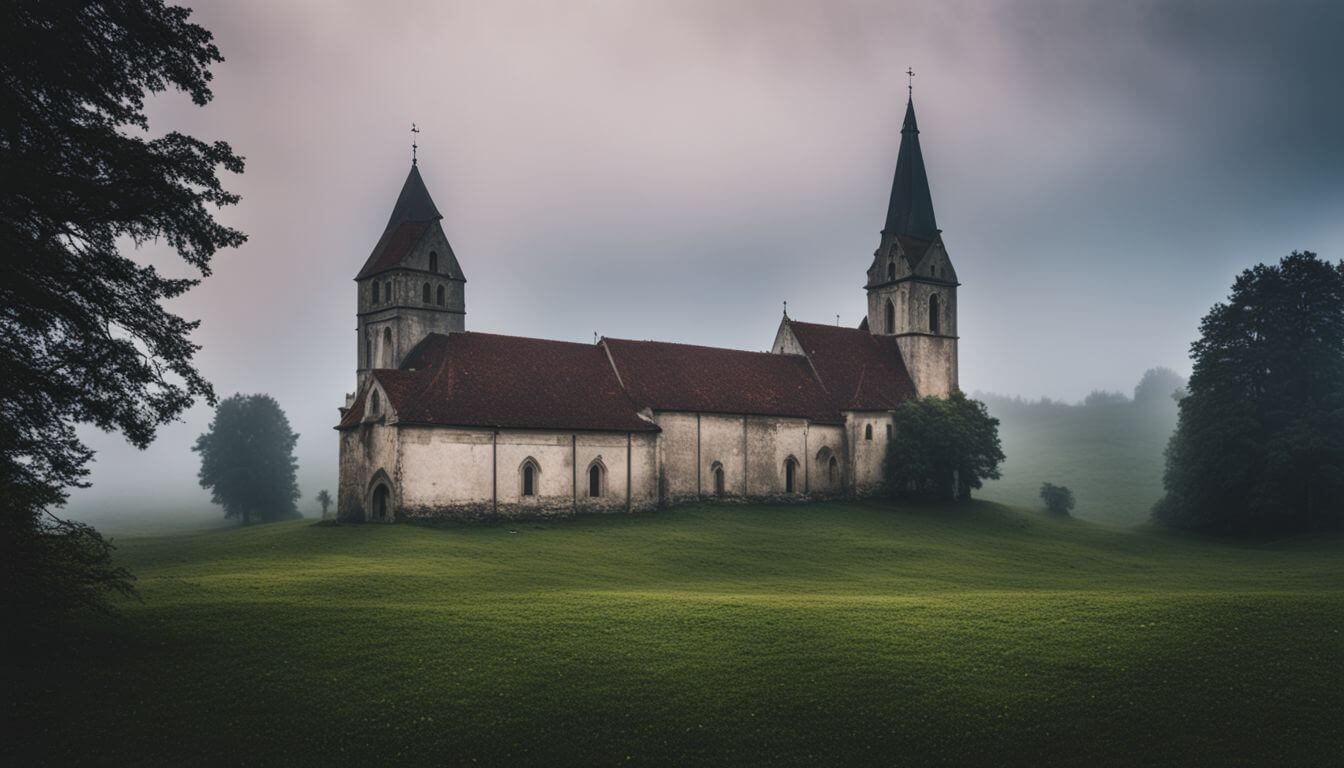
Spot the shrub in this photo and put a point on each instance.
(1058, 499)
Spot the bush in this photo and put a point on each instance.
(1058, 499)
(944, 447)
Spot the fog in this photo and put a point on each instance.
(676, 170)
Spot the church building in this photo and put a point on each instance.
(451, 423)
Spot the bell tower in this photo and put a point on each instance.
(410, 286)
(912, 287)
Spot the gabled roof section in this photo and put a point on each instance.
(861, 371)
(910, 211)
(683, 377)
(412, 216)
(488, 380)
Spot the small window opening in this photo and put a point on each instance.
(529, 480)
(832, 469)
(433, 261)
(867, 431)
(891, 270)
(790, 472)
(375, 404)
(890, 317)
(439, 298)
(933, 314)
(387, 289)
(717, 471)
(888, 431)
(595, 480)
(375, 291)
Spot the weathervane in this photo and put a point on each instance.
(414, 146)
(910, 81)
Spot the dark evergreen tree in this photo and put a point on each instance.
(942, 448)
(247, 460)
(84, 337)
(1259, 446)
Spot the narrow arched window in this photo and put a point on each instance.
(867, 431)
(387, 348)
(529, 480)
(933, 314)
(716, 469)
(832, 469)
(375, 404)
(439, 298)
(433, 261)
(375, 291)
(889, 317)
(387, 289)
(891, 270)
(790, 474)
(595, 480)
(424, 294)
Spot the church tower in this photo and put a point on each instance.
(912, 288)
(410, 286)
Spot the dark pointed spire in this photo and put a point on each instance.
(910, 211)
(414, 203)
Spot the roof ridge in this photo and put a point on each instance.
(704, 346)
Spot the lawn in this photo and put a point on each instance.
(814, 634)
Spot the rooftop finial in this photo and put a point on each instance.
(786, 308)
(910, 82)
(414, 146)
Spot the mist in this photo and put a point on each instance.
(676, 171)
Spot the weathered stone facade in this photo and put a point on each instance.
(450, 424)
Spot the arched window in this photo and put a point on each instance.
(387, 290)
(375, 291)
(530, 472)
(888, 431)
(439, 298)
(832, 471)
(387, 348)
(424, 294)
(380, 505)
(891, 270)
(867, 431)
(375, 403)
(933, 313)
(890, 317)
(433, 262)
(595, 480)
(716, 469)
(790, 475)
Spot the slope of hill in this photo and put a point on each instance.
(826, 633)
(1108, 450)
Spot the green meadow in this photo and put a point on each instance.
(842, 634)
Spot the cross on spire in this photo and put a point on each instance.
(414, 146)
(910, 81)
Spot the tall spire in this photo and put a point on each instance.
(414, 203)
(910, 211)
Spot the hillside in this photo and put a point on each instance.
(1109, 452)
(827, 633)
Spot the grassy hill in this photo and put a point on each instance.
(826, 633)
(1110, 453)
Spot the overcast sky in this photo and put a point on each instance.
(676, 170)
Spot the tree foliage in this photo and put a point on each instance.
(1259, 446)
(247, 460)
(1058, 499)
(1159, 387)
(942, 448)
(84, 337)
(323, 500)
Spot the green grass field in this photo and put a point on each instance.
(846, 634)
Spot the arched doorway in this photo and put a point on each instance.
(380, 507)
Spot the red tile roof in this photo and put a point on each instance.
(682, 377)
(860, 370)
(487, 380)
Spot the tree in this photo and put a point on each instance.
(247, 460)
(1159, 386)
(942, 448)
(1058, 499)
(324, 499)
(1259, 443)
(84, 337)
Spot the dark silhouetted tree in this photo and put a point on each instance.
(1159, 386)
(1058, 499)
(84, 337)
(247, 460)
(942, 448)
(1259, 446)
(324, 500)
